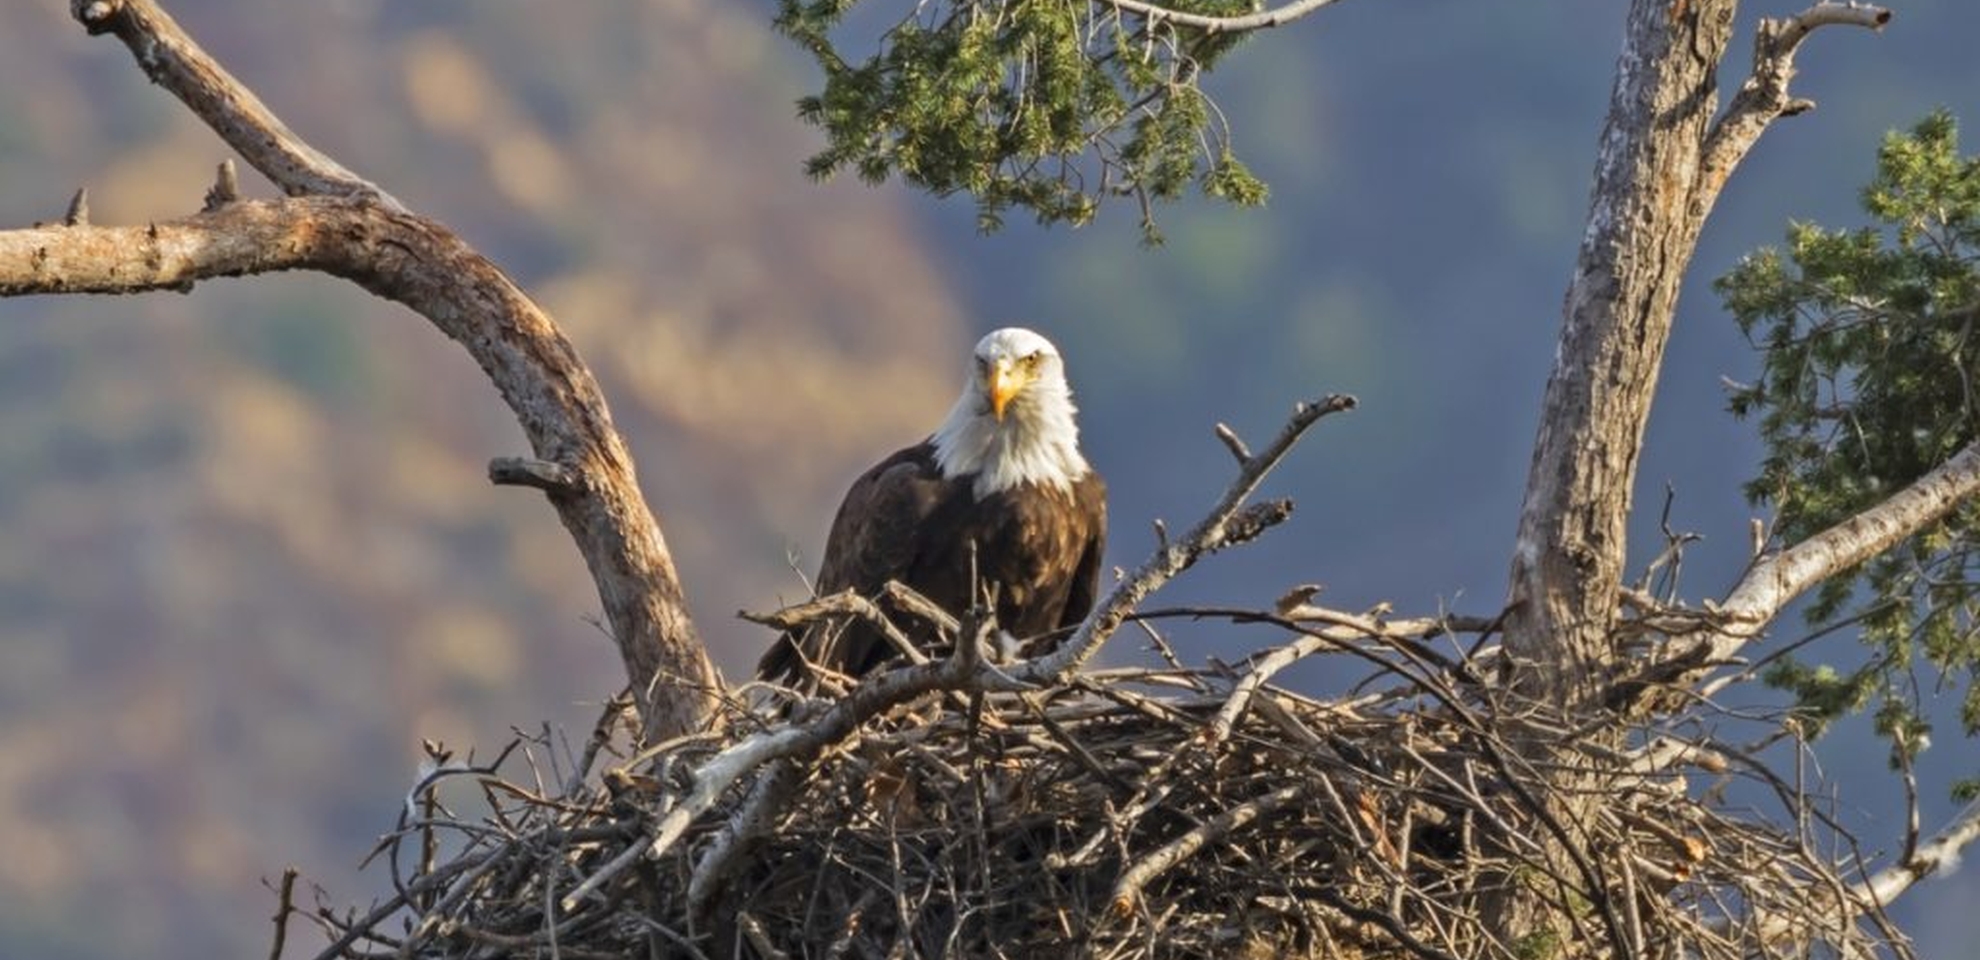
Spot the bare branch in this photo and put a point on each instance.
(1262, 670)
(1643, 227)
(358, 232)
(846, 603)
(257, 237)
(1775, 581)
(285, 906)
(1342, 625)
(422, 264)
(526, 472)
(173, 61)
(78, 212)
(1703, 639)
(1764, 96)
(1136, 876)
(226, 187)
(904, 597)
(1940, 854)
(802, 740)
(1937, 855)
(1262, 20)
(767, 801)
(1233, 443)
(1211, 534)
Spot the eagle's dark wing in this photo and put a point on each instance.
(1089, 503)
(875, 537)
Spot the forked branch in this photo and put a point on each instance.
(1226, 524)
(1764, 96)
(1775, 581)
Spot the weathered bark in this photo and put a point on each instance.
(1661, 163)
(1643, 224)
(347, 227)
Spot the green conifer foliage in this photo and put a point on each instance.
(1048, 105)
(1871, 378)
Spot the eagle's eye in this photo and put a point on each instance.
(1033, 359)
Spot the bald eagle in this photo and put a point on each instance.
(1001, 485)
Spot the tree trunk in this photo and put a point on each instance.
(1647, 207)
(1643, 222)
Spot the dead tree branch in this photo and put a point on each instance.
(1661, 162)
(1127, 890)
(1764, 96)
(1775, 581)
(342, 225)
(1225, 525)
(1719, 633)
(172, 60)
(1937, 855)
(1208, 23)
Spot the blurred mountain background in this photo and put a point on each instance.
(249, 559)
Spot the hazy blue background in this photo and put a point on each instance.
(246, 560)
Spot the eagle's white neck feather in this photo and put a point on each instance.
(1036, 442)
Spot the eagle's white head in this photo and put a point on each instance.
(1013, 423)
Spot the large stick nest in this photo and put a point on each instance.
(1130, 813)
(957, 807)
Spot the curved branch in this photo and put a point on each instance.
(1764, 95)
(173, 61)
(422, 264)
(1940, 854)
(369, 238)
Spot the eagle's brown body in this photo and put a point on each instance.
(1038, 545)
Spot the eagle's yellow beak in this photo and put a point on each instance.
(1002, 382)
